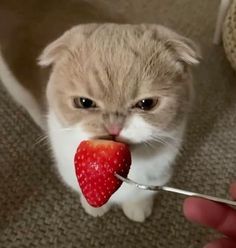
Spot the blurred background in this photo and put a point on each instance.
(38, 210)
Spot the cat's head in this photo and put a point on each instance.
(127, 82)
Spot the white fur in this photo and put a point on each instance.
(19, 93)
(147, 167)
(133, 132)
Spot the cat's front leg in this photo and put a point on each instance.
(138, 209)
(95, 212)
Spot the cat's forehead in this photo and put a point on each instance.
(122, 63)
(127, 53)
(118, 78)
(122, 48)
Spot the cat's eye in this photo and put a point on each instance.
(83, 102)
(146, 104)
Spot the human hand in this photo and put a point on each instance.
(217, 216)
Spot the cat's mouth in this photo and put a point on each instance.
(115, 138)
(106, 137)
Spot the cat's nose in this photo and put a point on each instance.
(114, 129)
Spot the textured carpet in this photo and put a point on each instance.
(37, 210)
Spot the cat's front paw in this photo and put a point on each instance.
(95, 212)
(138, 210)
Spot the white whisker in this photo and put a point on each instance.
(167, 141)
(149, 144)
(40, 140)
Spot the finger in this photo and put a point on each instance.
(232, 190)
(208, 213)
(222, 243)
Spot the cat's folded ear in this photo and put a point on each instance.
(64, 44)
(184, 49)
(54, 51)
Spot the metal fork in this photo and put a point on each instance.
(175, 190)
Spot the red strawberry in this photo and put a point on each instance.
(96, 162)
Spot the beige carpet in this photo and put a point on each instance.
(37, 210)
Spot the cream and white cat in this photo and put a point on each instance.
(130, 83)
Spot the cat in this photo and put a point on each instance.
(130, 83)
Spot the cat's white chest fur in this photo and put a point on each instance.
(148, 168)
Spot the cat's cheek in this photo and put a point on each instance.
(137, 130)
